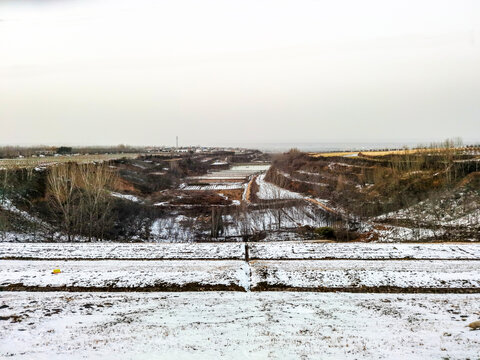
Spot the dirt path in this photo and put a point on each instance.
(249, 190)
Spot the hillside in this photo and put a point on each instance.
(423, 196)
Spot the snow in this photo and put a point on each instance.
(243, 275)
(126, 197)
(366, 251)
(6, 204)
(334, 165)
(296, 274)
(10, 237)
(220, 176)
(139, 166)
(242, 324)
(213, 325)
(162, 203)
(470, 219)
(308, 173)
(120, 274)
(268, 219)
(245, 188)
(399, 234)
(269, 191)
(234, 250)
(173, 229)
(251, 168)
(337, 274)
(218, 186)
(122, 251)
(288, 176)
(454, 209)
(177, 228)
(237, 172)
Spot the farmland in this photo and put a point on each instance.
(405, 151)
(238, 267)
(237, 325)
(220, 180)
(233, 195)
(280, 253)
(31, 162)
(131, 301)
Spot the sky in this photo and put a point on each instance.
(216, 72)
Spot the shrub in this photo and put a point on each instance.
(345, 235)
(325, 232)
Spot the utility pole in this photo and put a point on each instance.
(177, 142)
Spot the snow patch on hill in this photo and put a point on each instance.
(269, 191)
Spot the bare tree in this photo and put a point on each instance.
(217, 222)
(62, 183)
(95, 202)
(80, 194)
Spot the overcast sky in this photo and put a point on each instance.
(249, 71)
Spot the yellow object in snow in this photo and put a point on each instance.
(56, 271)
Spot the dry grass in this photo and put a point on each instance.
(384, 152)
(332, 154)
(369, 153)
(235, 194)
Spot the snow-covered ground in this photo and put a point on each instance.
(453, 209)
(181, 228)
(213, 325)
(122, 274)
(390, 233)
(126, 197)
(242, 324)
(235, 274)
(239, 172)
(10, 236)
(273, 219)
(6, 204)
(269, 191)
(149, 251)
(287, 175)
(217, 186)
(251, 168)
(331, 274)
(228, 250)
(366, 251)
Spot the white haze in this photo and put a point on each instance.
(240, 72)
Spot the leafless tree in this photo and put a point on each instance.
(217, 222)
(62, 183)
(95, 202)
(80, 194)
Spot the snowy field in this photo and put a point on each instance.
(269, 191)
(390, 233)
(239, 172)
(121, 251)
(222, 251)
(128, 274)
(167, 275)
(365, 274)
(212, 325)
(366, 251)
(180, 320)
(213, 187)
